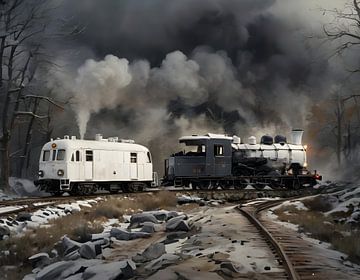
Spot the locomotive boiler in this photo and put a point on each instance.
(213, 160)
(84, 166)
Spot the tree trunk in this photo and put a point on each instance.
(5, 163)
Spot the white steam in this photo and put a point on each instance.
(97, 86)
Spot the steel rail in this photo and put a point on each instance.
(286, 262)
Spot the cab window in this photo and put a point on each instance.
(218, 150)
(77, 155)
(148, 157)
(133, 157)
(53, 155)
(60, 155)
(89, 155)
(46, 155)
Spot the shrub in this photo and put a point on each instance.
(318, 203)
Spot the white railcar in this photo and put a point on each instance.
(84, 166)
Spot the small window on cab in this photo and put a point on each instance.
(46, 155)
(73, 157)
(218, 150)
(89, 155)
(60, 154)
(53, 155)
(77, 156)
(133, 157)
(149, 157)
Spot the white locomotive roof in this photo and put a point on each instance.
(206, 136)
(94, 145)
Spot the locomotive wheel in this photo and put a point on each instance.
(226, 184)
(203, 185)
(240, 185)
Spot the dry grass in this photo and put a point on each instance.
(323, 228)
(78, 226)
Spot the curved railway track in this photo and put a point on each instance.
(300, 258)
(250, 213)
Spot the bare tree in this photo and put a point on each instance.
(22, 22)
(345, 29)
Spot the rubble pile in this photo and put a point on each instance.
(75, 260)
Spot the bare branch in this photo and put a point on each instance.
(25, 113)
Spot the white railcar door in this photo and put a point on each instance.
(88, 167)
(133, 166)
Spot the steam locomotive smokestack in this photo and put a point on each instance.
(296, 136)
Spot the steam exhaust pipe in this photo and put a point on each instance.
(296, 136)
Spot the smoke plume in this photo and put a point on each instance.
(157, 70)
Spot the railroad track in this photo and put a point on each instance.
(28, 204)
(300, 258)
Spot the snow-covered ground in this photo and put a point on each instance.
(21, 188)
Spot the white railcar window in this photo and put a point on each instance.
(149, 157)
(53, 155)
(89, 155)
(46, 155)
(60, 155)
(218, 150)
(133, 157)
(72, 157)
(77, 155)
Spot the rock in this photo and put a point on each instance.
(54, 270)
(139, 234)
(89, 250)
(120, 234)
(69, 245)
(72, 256)
(162, 261)
(39, 260)
(188, 199)
(167, 274)
(177, 224)
(110, 271)
(22, 217)
(228, 268)
(4, 230)
(176, 235)
(154, 251)
(97, 236)
(148, 227)
(143, 217)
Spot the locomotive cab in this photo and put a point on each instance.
(203, 156)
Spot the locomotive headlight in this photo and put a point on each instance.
(41, 173)
(60, 172)
(305, 147)
(305, 164)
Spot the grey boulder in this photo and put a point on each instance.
(177, 224)
(143, 217)
(121, 234)
(40, 260)
(115, 270)
(162, 261)
(154, 251)
(89, 250)
(69, 245)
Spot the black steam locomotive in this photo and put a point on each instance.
(211, 161)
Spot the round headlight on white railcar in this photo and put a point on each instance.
(41, 173)
(60, 172)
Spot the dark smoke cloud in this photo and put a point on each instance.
(159, 69)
